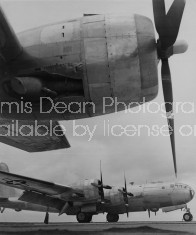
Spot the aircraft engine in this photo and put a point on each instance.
(97, 64)
(33, 88)
(120, 58)
(90, 191)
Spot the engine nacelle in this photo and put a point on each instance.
(90, 191)
(120, 60)
(99, 64)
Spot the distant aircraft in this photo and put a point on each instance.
(91, 197)
(81, 68)
(9, 198)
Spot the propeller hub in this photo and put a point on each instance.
(180, 47)
(163, 54)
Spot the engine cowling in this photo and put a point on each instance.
(121, 62)
(99, 63)
(91, 192)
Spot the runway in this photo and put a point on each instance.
(99, 228)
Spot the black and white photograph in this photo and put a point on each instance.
(97, 117)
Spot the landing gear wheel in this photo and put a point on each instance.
(112, 218)
(84, 217)
(188, 217)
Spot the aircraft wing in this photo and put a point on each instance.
(36, 185)
(33, 136)
(10, 47)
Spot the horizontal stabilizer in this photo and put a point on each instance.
(10, 47)
(33, 136)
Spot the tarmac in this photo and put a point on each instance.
(99, 228)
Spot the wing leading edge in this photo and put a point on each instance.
(10, 47)
(31, 184)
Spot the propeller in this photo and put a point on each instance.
(125, 195)
(148, 213)
(167, 26)
(101, 186)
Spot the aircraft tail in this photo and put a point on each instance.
(5, 191)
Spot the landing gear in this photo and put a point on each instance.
(84, 217)
(46, 220)
(112, 217)
(188, 217)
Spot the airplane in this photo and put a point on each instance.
(83, 68)
(91, 197)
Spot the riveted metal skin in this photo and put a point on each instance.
(114, 57)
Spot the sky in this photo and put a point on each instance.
(144, 158)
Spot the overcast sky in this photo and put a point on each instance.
(143, 158)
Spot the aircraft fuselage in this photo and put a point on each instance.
(152, 196)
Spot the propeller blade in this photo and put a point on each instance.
(46, 220)
(101, 186)
(125, 182)
(107, 187)
(159, 15)
(167, 25)
(101, 178)
(125, 195)
(149, 213)
(174, 17)
(168, 98)
(127, 210)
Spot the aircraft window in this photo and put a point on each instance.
(163, 187)
(63, 34)
(63, 27)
